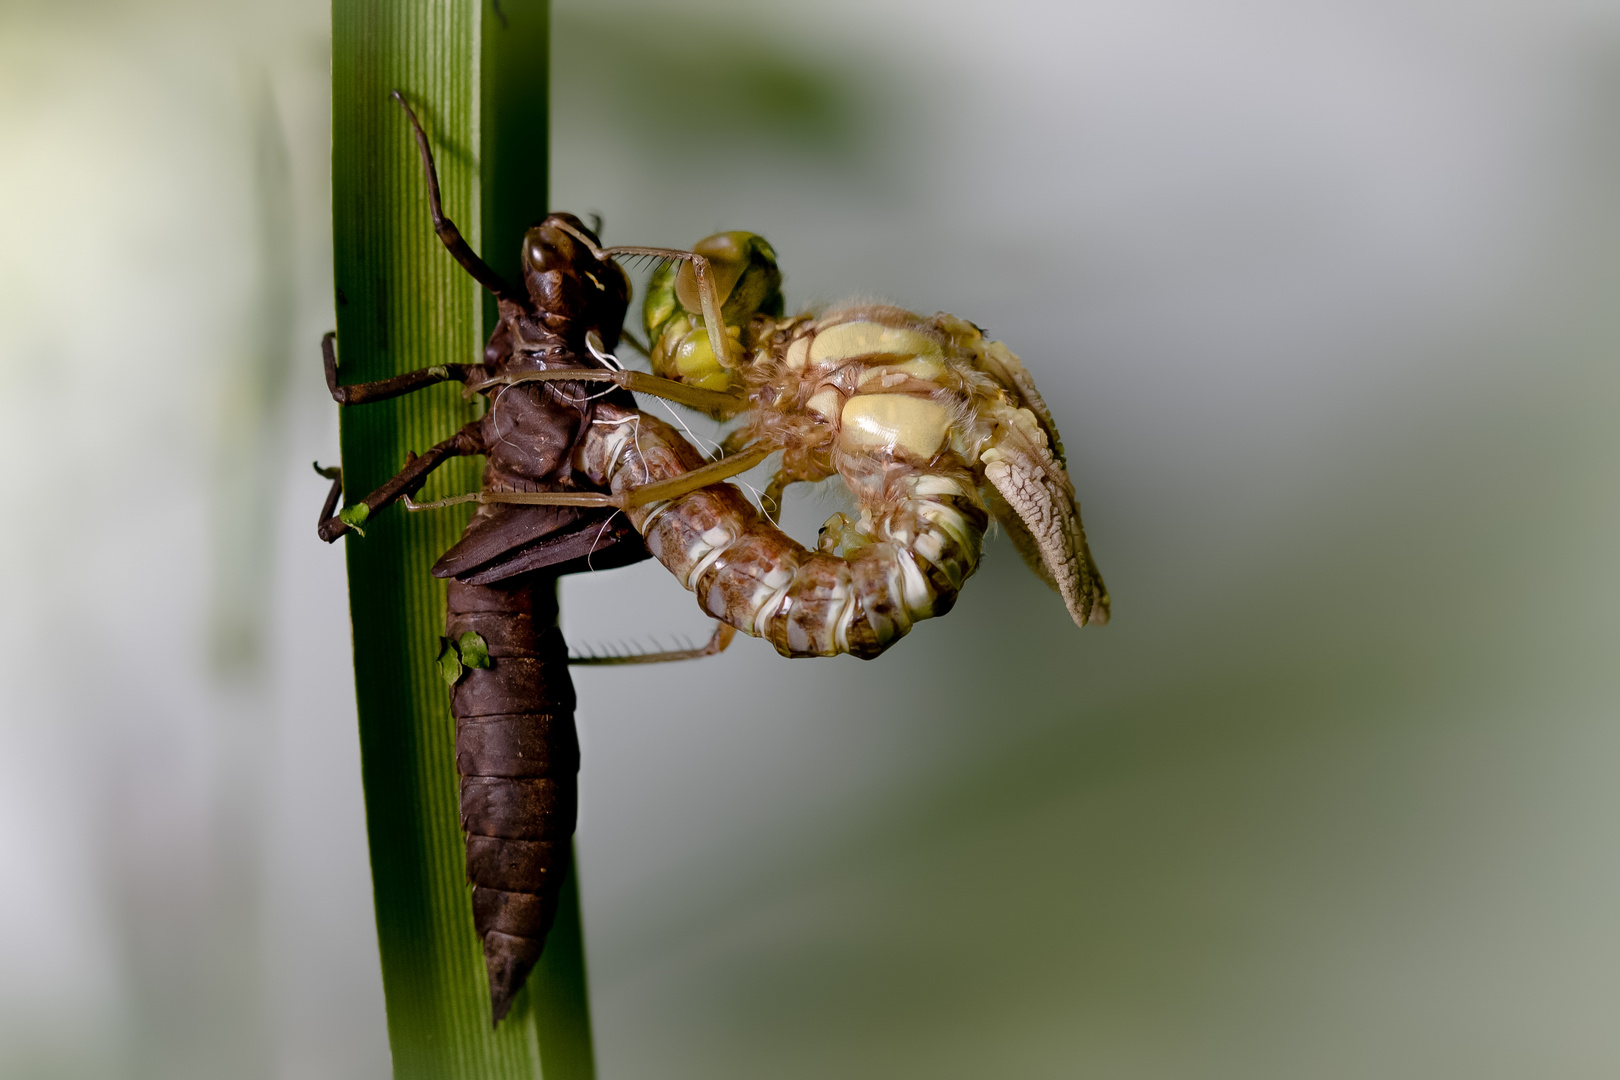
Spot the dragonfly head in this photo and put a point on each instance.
(747, 283)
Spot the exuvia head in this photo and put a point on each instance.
(746, 282)
(560, 276)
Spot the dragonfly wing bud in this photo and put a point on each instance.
(1045, 519)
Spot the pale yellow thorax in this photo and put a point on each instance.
(902, 424)
(906, 423)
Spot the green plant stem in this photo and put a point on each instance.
(477, 78)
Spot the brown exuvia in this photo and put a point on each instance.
(513, 701)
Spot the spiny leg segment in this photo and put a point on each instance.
(722, 636)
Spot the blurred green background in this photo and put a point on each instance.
(1323, 299)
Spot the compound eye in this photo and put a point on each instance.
(727, 253)
(743, 268)
(536, 250)
(548, 247)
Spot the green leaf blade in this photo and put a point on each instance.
(402, 304)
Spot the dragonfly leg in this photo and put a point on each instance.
(446, 229)
(712, 402)
(713, 472)
(383, 389)
(657, 491)
(409, 479)
(723, 633)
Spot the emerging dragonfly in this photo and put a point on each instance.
(930, 425)
(933, 428)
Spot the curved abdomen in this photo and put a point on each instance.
(924, 529)
(518, 756)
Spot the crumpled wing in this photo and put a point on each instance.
(1036, 506)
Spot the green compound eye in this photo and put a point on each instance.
(742, 266)
(746, 281)
(746, 278)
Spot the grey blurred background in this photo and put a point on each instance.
(1324, 299)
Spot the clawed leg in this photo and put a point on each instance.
(409, 479)
(446, 229)
(725, 350)
(383, 389)
(723, 633)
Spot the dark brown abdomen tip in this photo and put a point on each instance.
(509, 960)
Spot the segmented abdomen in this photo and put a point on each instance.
(922, 542)
(518, 756)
